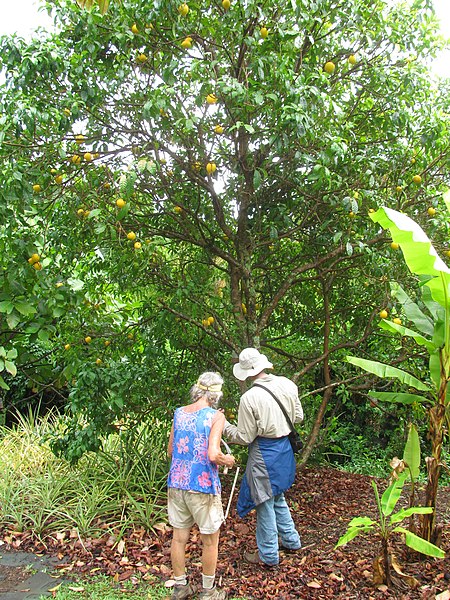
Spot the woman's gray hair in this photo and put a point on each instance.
(209, 386)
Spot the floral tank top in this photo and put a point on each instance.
(190, 468)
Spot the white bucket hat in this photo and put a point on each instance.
(251, 362)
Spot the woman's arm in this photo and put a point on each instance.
(215, 454)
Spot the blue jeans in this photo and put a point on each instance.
(273, 519)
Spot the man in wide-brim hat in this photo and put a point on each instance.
(271, 463)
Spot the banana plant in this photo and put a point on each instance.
(387, 525)
(431, 322)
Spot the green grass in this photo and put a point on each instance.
(103, 588)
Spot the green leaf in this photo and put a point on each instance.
(25, 309)
(419, 253)
(391, 494)
(11, 367)
(408, 512)
(412, 310)
(411, 453)
(419, 544)
(361, 521)
(348, 536)
(3, 385)
(386, 371)
(399, 397)
(405, 332)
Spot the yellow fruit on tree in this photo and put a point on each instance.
(37, 266)
(79, 138)
(384, 314)
(211, 168)
(131, 235)
(59, 179)
(80, 212)
(135, 28)
(186, 43)
(264, 32)
(356, 194)
(244, 308)
(178, 209)
(53, 171)
(218, 129)
(67, 112)
(183, 9)
(399, 189)
(197, 165)
(75, 159)
(397, 321)
(211, 99)
(120, 202)
(67, 347)
(36, 188)
(329, 67)
(352, 59)
(34, 258)
(210, 320)
(107, 342)
(395, 246)
(351, 214)
(142, 57)
(59, 284)
(226, 4)
(205, 322)
(88, 339)
(417, 179)
(87, 213)
(431, 211)
(98, 361)
(88, 157)
(137, 245)
(447, 253)
(371, 210)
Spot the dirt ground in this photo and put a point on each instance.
(323, 501)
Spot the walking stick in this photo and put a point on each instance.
(233, 487)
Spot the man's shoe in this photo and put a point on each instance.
(289, 550)
(181, 591)
(214, 594)
(253, 559)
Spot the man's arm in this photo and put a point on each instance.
(215, 454)
(246, 429)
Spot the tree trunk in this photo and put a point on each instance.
(326, 378)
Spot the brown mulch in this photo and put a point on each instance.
(323, 501)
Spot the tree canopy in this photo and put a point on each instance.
(181, 180)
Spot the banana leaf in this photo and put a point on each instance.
(391, 494)
(405, 332)
(412, 310)
(399, 397)
(386, 371)
(418, 251)
(419, 544)
(411, 453)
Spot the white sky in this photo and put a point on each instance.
(22, 16)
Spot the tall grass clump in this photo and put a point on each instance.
(121, 487)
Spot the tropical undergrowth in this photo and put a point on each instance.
(117, 489)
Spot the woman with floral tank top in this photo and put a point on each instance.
(194, 484)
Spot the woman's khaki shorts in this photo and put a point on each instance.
(186, 508)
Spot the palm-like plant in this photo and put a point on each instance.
(432, 323)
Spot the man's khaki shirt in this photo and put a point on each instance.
(260, 415)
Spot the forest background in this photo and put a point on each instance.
(185, 199)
